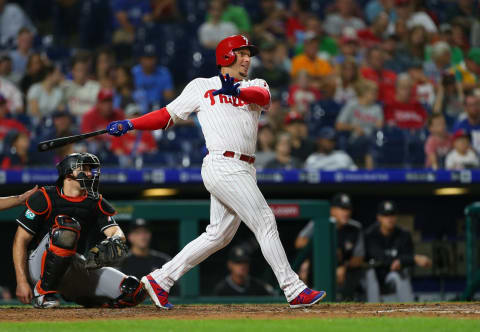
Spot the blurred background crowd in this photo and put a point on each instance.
(354, 84)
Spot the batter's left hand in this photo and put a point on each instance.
(228, 86)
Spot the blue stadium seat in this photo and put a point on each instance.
(415, 148)
(322, 114)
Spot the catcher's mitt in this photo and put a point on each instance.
(107, 253)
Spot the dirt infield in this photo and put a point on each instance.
(250, 311)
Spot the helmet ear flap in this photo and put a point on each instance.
(230, 58)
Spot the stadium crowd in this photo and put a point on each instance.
(354, 84)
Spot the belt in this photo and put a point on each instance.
(243, 157)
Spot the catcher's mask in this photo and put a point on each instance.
(88, 166)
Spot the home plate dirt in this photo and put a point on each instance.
(250, 311)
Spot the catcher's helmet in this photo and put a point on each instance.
(82, 161)
(224, 51)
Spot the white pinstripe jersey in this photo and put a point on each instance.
(228, 124)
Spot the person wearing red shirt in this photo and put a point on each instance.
(134, 144)
(373, 35)
(403, 111)
(374, 71)
(101, 114)
(7, 124)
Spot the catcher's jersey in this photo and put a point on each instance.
(228, 123)
(45, 204)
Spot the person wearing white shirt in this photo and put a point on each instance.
(462, 156)
(212, 32)
(326, 158)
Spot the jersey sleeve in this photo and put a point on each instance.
(105, 214)
(37, 210)
(188, 101)
(261, 83)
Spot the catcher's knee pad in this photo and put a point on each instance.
(132, 293)
(56, 259)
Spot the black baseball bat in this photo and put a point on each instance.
(62, 141)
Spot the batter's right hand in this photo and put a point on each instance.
(24, 292)
(118, 128)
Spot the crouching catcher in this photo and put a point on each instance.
(58, 225)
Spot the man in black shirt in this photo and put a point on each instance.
(142, 260)
(350, 246)
(239, 282)
(390, 253)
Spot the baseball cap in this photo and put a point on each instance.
(148, 50)
(105, 94)
(239, 255)
(292, 117)
(459, 133)
(474, 55)
(387, 208)
(138, 223)
(327, 133)
(341, 200)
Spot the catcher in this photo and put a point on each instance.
(57, 225)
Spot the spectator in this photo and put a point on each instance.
(141, 259)
(34, 73)
(6, 70)
(15, 155)
(375, 33)
(239, 282)
(324, 112)
(468, 72)
(350, 246)
(123, 87)
(46, 96)
(276, 113)
(101, 114)
(327, 158)
(81, 92)
(236, 15)
(129, 15)
(269, 20)
(12, 19)
(438, 143)
(327, 46)
(342, 19)
(301, 146)
(269, 69)
(423, 89)
(5, 294)
(464, 10)
(375, 71)
(346, 80)
(283, 156)
(462, 156)
(403, 111)
(63, 125)
(440, 63)
(7, 123)
(415, 50)
(211, 32)
(375, 7)
(152, 81)
(448, 99)
(361, 118)
(316, 67)
(265, 145)
(133, 144)
(349, 48)
(12, 95)
(406, 10)
(471, 124)
(24, 49)
(294, 26)
(389, 250)
(104, 65)
(302, 94)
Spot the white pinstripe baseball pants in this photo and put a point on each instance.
(235, 197)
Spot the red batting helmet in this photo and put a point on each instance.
(224, 51)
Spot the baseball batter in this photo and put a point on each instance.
(228, 108)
